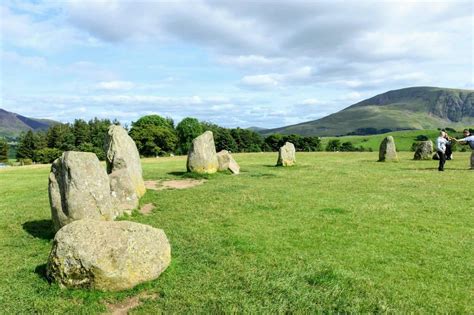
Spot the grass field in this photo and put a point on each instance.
(339, 232)
(403, 139)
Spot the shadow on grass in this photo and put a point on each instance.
(40, 270)
(187, 175)
(42, 229)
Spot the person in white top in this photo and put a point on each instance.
(441, 150)
(468, 139)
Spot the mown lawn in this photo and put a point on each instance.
(339, 232)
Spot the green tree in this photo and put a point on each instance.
(46, 155)
(26, 146)
(82, 132)
(3, 150)
(187, 129)
(333, 145)
(347, 147)
(247, 140)
(154, 135)
(154, 140)
(61, 136)
(275, 141)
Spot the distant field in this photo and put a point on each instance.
(339, 232)
(403, 139)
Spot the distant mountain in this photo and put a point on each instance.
(257, 129)
(404, 109)
(11, 124)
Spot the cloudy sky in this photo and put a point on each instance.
(235, 63)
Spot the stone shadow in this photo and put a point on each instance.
(42, 229)
(40, 270)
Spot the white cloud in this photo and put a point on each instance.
(115, 85)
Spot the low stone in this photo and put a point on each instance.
(202, 157)
(79, 189)
(107, 255)
(227, 162)
(424, 150)
(387, 150)
(286, 155)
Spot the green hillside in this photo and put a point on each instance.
(11, 124)
(403, 139)
(410, 108)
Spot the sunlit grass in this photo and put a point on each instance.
(339, 232)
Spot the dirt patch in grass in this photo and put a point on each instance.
(123, 307)
(173, 184)
(146, 209)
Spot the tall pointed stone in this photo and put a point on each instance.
(79, 189)
(202, 157)
(387, 150)
(124, 169)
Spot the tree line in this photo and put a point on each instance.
(154, 136)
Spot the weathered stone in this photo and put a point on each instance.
(202, 157)
(424, 150)
(107, 255)
(227, 162)
(123, 193)
(78, 189)
(286, 155)
(388, 151)
(124, 168)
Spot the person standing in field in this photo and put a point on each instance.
(441, 150)
(468, 139)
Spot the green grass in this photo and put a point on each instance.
(339, 232)
(403, 139)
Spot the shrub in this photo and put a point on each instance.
(46, 155)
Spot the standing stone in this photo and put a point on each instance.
(107, 256)
(227, 162)
(424, 150)
(286, 155)
(78, 189)
(124, 169)
(388, 151)
(202, 157)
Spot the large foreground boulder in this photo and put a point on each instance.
(79, 189)
(387, 150)
(202, 157)
(424, 149)
(286, 155)
(107, 255)
(124, 169)
(227, 162)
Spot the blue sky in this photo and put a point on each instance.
(234, 63)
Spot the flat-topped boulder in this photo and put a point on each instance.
(387, 150)
(227, 162)
(424, 150)
(124, 169)
(79, 189)
(286, 155)
(202, 156)
(107, 255)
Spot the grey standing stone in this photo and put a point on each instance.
(78, 189)
(286, 155)
(388, 151)
(124, 168)
(424, 150)
(227, 162)
(202, 157)
(107, 255)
